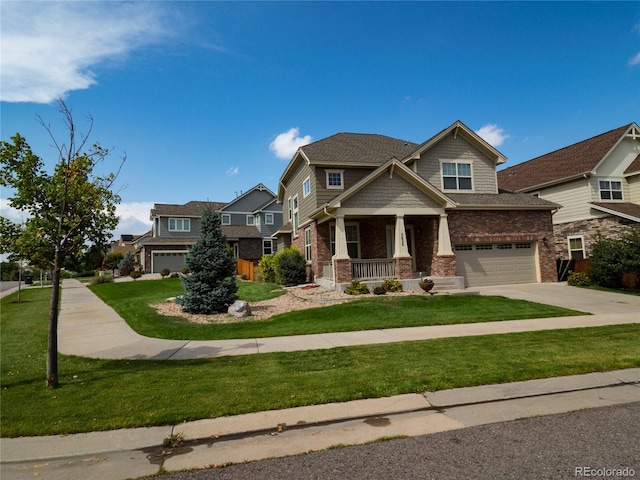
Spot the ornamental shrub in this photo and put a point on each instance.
(211, 285)
(612, 257)
(290, 267)
(357, 288)
(379, 291)
(267, 268)
(579, 279)
(392, 285)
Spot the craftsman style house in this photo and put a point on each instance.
(370, 207)
(596, 181)
(249, 222)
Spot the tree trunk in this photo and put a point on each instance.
(52, 345)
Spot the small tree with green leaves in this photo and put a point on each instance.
(67, 210)
(112, 260)
(210, 286)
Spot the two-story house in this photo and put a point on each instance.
(248, 222)
(369, 207)
(597, 182)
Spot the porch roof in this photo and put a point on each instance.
(501, 201)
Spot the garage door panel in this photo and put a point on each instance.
(172, 261)
(496, 264)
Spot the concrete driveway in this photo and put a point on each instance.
(562, 295)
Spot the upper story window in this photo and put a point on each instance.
(251, 220)
(610, 189)
(289, 208)
(226, 219)
(296, 216)
(268, 218)
(306, 187)
(179, 225)
(456, 176)
(335, 179)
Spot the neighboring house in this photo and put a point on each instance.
(597, 182)
(369, 207)
(248, 223)
(126, 243)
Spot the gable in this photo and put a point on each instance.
(250, 201)
(390, 192)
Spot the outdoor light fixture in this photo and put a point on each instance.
(544, 240)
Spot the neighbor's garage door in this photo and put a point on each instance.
(496, 263)
(171, 260)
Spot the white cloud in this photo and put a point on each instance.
(16, 216)
(492, 134)
(635, 60)
(286, 143)
(134, 218)
(50, 48)
(233, 171)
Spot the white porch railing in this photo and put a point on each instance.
(373, 268)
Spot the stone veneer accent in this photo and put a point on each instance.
(443, 266)
(607, 226)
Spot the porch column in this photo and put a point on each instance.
(341, 239)
(401, 247)
(444, 240)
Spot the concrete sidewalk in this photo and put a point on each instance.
(131, 453)
(90, 328)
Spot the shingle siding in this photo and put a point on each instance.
(450, 148)
(390, 192)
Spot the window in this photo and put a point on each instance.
(226, 219)
(179, 225)
(456, 176)
(289, 205)
(258, 219)
(484, 246)
(353, 244)
(505, 246)
(522, 246)
(610, 190)
(463, 248)
(307, 244)
(334, 179)
(251, 220)
(268, 218)
(296, 218)
(306, 187)
(576, 247)
(267, 246)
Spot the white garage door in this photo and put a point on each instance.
(174, 261)
(496, 263)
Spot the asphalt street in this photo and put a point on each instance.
(595, 444)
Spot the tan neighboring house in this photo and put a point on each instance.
(597, 182)
(370, 207)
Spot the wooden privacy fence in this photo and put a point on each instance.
(245, 267)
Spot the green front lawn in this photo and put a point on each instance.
(109, 394)
(131, 301)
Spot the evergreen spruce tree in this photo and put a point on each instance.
(211, 286)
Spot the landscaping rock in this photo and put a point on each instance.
(240, 309)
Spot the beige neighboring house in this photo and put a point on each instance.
(597, 182)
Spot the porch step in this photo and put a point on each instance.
(446, 284)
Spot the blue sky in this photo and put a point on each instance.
(207, 99)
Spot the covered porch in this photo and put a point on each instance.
(374, 248)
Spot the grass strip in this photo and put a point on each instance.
(108, 394)
(131, 301)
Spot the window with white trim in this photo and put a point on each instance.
(335, 179)
(251, 220)
(306, 187)
(576, 247)
(267, 246)
(268, 218)
(289, 208)
(456, 176)
(179, 225)
(610, 189)
(296, 217)
(352, 233)
(307, 244)
(225, 219)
